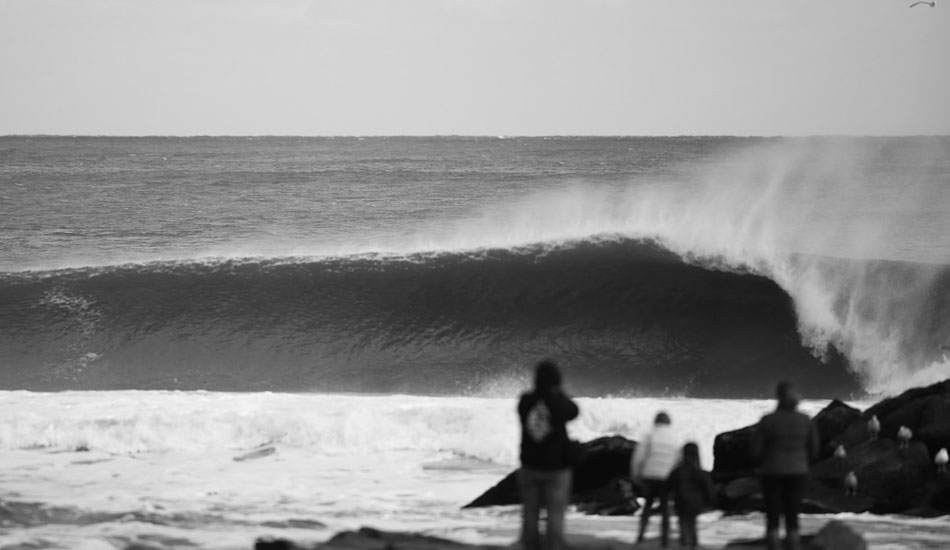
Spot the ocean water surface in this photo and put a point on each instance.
(366, 311)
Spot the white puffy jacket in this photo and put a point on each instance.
(656, 454)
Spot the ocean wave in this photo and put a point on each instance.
(624, 316)
(768, 266)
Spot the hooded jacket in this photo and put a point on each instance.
(544, 414)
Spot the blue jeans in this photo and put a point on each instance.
(548, 490)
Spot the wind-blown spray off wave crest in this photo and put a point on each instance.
(816, 216)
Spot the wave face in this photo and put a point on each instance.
(622, 316)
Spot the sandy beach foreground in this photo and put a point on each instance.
(833, 535)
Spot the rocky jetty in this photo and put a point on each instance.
(881, 460)
(885, 453)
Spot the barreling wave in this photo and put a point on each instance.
(764, 268)
(624, 316)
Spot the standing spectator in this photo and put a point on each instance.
(692, 490)
(784, 444)
(650, 466)
(545, 475)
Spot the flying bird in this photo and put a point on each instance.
(931, 4)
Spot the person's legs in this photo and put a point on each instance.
(649, 493)
(664, 514)
(772, 495)
(687, 524)
(793, 490)
(694, 529)
(557, 494)
(530, 487)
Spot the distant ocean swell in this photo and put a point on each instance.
(624, 316)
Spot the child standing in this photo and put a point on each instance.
(692, 493)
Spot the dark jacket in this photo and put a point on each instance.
(692, 489)
(544, 442)
(785, 442)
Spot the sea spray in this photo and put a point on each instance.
(802, 212)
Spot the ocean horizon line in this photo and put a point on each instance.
(483, 136)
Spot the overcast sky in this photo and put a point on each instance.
(485, 67)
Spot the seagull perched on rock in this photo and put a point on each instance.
(904, 434)
(840, 455)
(874, 427)
(850, 484)
(931, 4)
(941, 460)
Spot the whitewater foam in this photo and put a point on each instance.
(159, 467)
(130, 422)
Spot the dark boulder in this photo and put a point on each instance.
(934, 428)
(832, 421)
(932, 499)
(598, 478)
(890, 405)
(926, 411)
(740, 495)
(731, 458)
(503, 493)
(616, 498)
(836, 536)
(605, 459)
(889, 478)
(274, 544)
